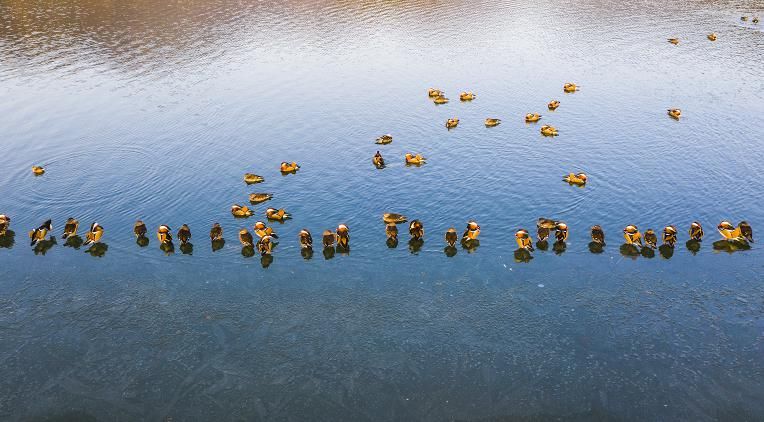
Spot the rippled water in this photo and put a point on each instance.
(155, 111)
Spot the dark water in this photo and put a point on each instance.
(155, 111)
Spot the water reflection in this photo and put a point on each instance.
(168, 248)
(450, 251)
(187, 248)
(523, 255)
(666, 251)
(559, 247)
(542, 245)
(306, 253)
(217, 244)
(596, 247)
(392, 242)
(415, 245)
(693, 246)
(328, 252)
(471, 245)
(248, 251)
(8, 239)
(731, 246)
(630, 251)
(97, 250)
(42, 247)
(74, 242)
(142, 241)
(648, 252)
(266, 260)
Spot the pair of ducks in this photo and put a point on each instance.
(711, 37)
(416, 230)
(40, 234)
(411, 159)
(285, 168)
(439, 97)
(634, 237)
(745, 19)
(489, 122)
(240, 211)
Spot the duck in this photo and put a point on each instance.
(391, 217)
(532, 117)
(265, 245)
(471, 232)
(251, 178)
(239, 211)
(744, 18)
(5, 223)
(451, 237)
(675, 113)
(598, 235)
(94, 234)
(674, 41)
(491, 122)
(328, 239)
(467, 96)
(440, 100)
(139, 229)
(70, 228)
(561, 232)
(184, 234)
(416, 230)
(262, 230)
(547, 130)
(256, 198)
(414, 159)
(696, 231)
(216, 232)
(632, 235)
(542, 233)
(39, 234)
(553, 105)
(434, 92)
(306, 240)
(38, 170)
(245, 237)
(523, 240)
(576, 179)
(651, 239)
(755, 19)
(746, 230)
(343, 236)
(669, 236)
(546, 223)
(278, 215)
(728, 231)
(289, 167)
(164, 235)
(570, 87)
(452, 123)
(378, 161)
(384, 140)
(712, 36)
(391, 231)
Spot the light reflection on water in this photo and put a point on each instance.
(155, 111)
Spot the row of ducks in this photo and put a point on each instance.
(711, 37)
(438, 96)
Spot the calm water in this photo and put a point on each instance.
(155, 111)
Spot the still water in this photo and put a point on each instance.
(155, 110)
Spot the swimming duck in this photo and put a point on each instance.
(728, 231)
(184, 234)
(265, 245)
(434, 92)
(632, 235)
(598, 235)
(289, 167)
(744, 18)
(553, 105)
(532, 117)
(384, 140)
(256, 198)
(70, 228)
(523, 240)
(755, 19)
(139, 229)
(391, 217)
(696, 231)
(547, 130)
(251, 178)
(306, 240)
(561, 232)
(746, 231)
(328, 239)
(415, 159)
(669, 236)
(38, 170)
(94, 234)
(5, 223)
(452, 123)
(262, 230)
(467, 96)
(39, 234)
(416, 230)
(343, 236)
(546, 223)
(240, 212)
(216, 232)
(675, 113)
(278, 215)
(576, 179)
(391, 230)
(651, 239)
(491, 122)
(378, 161)
(674, 41)
(245, 237)
(570, 87)
(164, 235)
(471, 232)
(712, 36)
(440, 100)
(451, 237)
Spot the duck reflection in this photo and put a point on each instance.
(307, 253)
(471, 245)
(629, 250)
(187, 248)
(596, 247)
(559, 247)
(8, 239)
(328, 252)
(666, 251)
(730, 246)
(542, 245)
(266, 260)
(450, 251)
(415, 245)
(142, 241)
(43, 246)
(73, 242)
(523, 255)
(648, 252)
(693, 246)
(392, 243)
(248, 251)
(168, 248)
(97, 250)
(217, 244)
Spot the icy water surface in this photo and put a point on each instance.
(154, 110)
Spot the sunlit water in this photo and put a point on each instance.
(153, 111)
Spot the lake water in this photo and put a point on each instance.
(155, 111)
